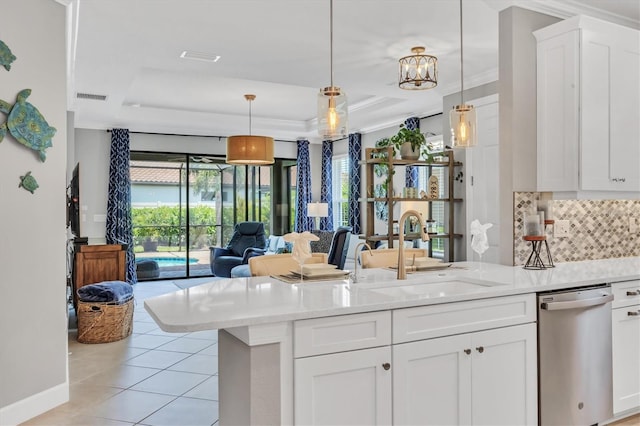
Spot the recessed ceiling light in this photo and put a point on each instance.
(199, 56)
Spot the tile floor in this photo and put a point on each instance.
(150, 378)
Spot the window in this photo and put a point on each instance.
(436, 207)
(340, 190)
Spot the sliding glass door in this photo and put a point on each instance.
(183, 204)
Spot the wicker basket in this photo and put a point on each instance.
(104, 322)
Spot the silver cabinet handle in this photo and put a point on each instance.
(633, 293)
(386, 366)
(575, 304)
(633, 314)
(468, 351)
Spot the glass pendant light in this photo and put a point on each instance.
(332, 102)
(248, 149)
(462, 118)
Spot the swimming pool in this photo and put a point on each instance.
(170, 261)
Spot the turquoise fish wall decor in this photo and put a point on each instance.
(26, 124)
(6, 57)
(28, 182)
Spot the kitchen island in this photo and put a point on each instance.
(338, 340)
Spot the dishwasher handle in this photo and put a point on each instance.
(576, 304)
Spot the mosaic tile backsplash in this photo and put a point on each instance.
(599, 229)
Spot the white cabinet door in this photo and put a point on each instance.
(347, 388)
(482, 378)
(504, 376)
(558, 112)
(432, 382)
(610, 107)
(626, 358)
(588, 132)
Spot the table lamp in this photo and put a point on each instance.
(317, 210)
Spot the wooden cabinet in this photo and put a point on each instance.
(97, 263)
(588, 106)
(380, 156)
(626, 346)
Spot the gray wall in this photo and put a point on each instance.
(33, 317)
(517, 90)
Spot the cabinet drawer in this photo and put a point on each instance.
(427, 322)
(343, 333)
(625, 293)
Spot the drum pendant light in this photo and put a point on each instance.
(462, 118)
(332, 102)
(248, 149)
(418, 71)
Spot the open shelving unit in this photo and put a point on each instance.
(384, 156)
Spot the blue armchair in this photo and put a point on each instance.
(248, 240)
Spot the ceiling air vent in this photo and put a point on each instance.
(199, 56)
(91, 96)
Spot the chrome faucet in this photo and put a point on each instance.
(402, 270)
(356, 258)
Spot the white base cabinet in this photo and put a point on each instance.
(482, 378)
(347, 388)
(626, 346)
(462, 363)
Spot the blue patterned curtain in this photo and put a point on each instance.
(303, 222)
(119, 229)
(326, 223)
(355, 154)
(411, 172)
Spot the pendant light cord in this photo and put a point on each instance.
(331, 40)
(461, 61)
(249, 117)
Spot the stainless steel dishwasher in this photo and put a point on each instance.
(574, 362)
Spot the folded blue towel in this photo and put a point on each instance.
(106, 291)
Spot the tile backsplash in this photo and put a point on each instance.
(599, 229)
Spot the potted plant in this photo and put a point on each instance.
(410, 143)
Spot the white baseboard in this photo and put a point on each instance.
(34, 405)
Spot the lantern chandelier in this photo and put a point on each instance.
(332, 102)
(463, 117)
(418, 71)
(248, 149)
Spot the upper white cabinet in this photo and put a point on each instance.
(588, 106)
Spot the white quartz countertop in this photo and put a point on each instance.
(239, 302)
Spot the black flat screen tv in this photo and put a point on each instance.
(73, 202)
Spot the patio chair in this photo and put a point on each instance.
(248, 240)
